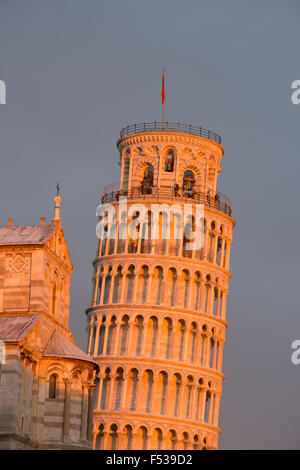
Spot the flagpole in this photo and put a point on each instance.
(164, 98)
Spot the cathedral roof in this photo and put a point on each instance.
(16, 327)
(58, 346)
(26, 234)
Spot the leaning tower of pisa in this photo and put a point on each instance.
(157, 320)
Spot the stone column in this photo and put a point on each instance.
(216, 409)
(90, 412)
(202, 403)
(95, 352)
(129, 340)
(222, 253)
(227, 255)
(91, 335)
(84, 413)
(124, 397)
(112, 285)
(101, 379)
(144, 339)
(220, 355)
(106, 332)
(104, 276)
(67, 409)
(214, 365)
(211, 406)
(116, 348)
(223, 307)
(34, 410)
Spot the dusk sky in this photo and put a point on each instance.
(78, 71)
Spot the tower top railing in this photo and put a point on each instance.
(170, 127)
(218, 201)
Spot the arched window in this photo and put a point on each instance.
(133, 377)
(149, 381)
(188, 183)
(142, 436)
(157, 439)
(177, 393)
(128, 433)
(147, 182)
(119, 383)
(53, 386)
(169, 163)
(105, 389)
(113, 436)
(100, 437)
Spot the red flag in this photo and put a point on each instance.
(163, 93)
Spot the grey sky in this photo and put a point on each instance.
(78, 71)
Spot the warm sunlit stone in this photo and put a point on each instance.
(157, 321)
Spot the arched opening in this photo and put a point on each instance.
(198, 399)
(117, 286)
(147, 182)
(130, 281)
(146, 236)
(128, 434)
(100, 438)
(193, 336)
(189, 388)
(107, 286)
(142, 436)
(133, 380)
(139, 328)
(197, 285)
(169, 161)
(177, 384)
(185, 440)
(207, 294)
(203, 344)
(188, 237)
(196, 443)
(53, 386)
(119, 384)
(154, 328)
(149, 383)
(207, 405)
(101, 337)
(105, 389)
(181, 329)
(171, 440)
(157, 439)
(162, 386)
(157, 284)
(113, 437)
(143, 284)
(122, 235)
(166, 337)
(188, 183)
(124, 329)
(111, 335)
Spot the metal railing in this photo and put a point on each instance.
(217, 201)
(170, 127)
